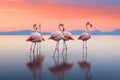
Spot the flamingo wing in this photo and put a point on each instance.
(84, 36)
(56, 36)
(30, 38)
(68, 36)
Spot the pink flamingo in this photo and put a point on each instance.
(67, 36)
(35, 37)
(85, 35)
(57, 36)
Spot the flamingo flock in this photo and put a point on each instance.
(61, 67)
(36, 37)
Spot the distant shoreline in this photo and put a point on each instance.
(73, 32)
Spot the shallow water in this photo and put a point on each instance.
(101, 60)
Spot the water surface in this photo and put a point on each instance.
(101, 60)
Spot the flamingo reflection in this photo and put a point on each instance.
(35, 65)
(60, 67)
(85, 65)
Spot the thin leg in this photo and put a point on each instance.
(37, 47)
(66, 56)
(86, 44)
(40, 47)
(31, 47)
(86, 55)
(83, 44)
(57, 47)
(34, 47)
(30, 57)
(65, 45)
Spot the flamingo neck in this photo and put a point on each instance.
(88, 29)
(35, 28)
(62, 29)
(40, 30)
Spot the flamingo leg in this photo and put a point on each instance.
(86, 44)
(65, 45)
(57, 47)
(30, 57)
(86, 55)
(31, 47)
(40, 47)
(66, 56)
(37, 48)
(62, 51)
(34, 47)
(83, 44)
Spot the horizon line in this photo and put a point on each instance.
(58, 30)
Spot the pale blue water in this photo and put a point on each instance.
(102, 62)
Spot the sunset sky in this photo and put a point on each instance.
(22, 14)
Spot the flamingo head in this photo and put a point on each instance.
(88, 23)
(61, 25)
(34, 26)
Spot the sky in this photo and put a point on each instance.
(22, 14)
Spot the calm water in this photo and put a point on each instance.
(101, 61)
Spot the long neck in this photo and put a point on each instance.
(62, 29)
(40, 30)
(35, 28)
(87, 28)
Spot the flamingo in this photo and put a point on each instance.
(57, 36)
(35, 37)
(67, 36)
(85, 35)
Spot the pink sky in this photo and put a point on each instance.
(19, 15)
